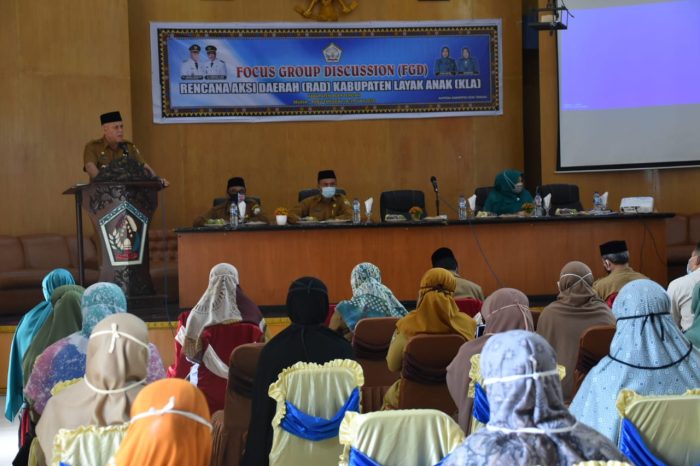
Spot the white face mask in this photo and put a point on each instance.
(328, 191)
(688, 268)
(518, 188)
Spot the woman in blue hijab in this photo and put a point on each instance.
(26, 330)
(648, 354)
(508, 194)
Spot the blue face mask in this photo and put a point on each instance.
(328, 191)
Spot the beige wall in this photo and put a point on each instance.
(673, 189)
(74, 59)
(64, 63)
(278, 159)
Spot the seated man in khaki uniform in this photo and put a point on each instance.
(445, 259)
(234, 188)
(616, 260)
(101, 152)
(328, 205)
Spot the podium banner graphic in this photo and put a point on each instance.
(256, 72)
(124, 232)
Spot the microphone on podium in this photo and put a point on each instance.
(124, 148)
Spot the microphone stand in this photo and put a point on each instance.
(437, 202)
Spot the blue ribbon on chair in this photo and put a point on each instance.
(481, 410)
(633, 446)
(314, 428)
(357, 458)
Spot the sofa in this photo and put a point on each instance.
(27, 259)
(682, 235)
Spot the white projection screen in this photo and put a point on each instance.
(629, 85)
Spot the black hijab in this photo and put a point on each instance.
(305, 340)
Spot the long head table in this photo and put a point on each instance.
(522, 253)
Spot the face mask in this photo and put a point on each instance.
(518, 188)
(328, 191)
(688, 268)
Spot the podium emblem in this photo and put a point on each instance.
(123, 233)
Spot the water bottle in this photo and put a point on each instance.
(356, 218)
(538, 204)
(233, 211)
(597, 202)
(462, 207)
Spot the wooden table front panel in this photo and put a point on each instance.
(523, 255)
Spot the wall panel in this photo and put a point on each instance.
(69, 63)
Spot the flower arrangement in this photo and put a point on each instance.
(415, 212)
(281, 211)
(527, 207)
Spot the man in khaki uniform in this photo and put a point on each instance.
(616, 260)
(328, 205)
(101, 152)
(235, 186)
(445, 259)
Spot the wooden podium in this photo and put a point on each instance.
(121, 213)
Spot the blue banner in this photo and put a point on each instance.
(281, 72)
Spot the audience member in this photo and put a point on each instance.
(508, 194)
(576, 309)
(370, 298)
(505, 309)
(65, 360)
(445, 259)
(170, 425)
(681, 291)
(64, 320)
(693, 333)
(528, 423)
(27, 329)
(305, 340)
(234, 188)
(648, 354)
(436, 313)
(216, 308)
(616, 261)
(328, 205)
(116, 370)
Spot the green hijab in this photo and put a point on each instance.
(65, 319)
(693, 332)
(502, 199)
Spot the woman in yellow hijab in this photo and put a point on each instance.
(170, 425)
(436, 313)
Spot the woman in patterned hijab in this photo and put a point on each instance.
(529, 423)
(648, 354)
(65, 359)
(370, 298)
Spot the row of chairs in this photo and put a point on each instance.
(400, 201)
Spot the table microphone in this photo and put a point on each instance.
(124, 148)
(433, 181)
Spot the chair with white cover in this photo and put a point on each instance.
(87, 444)
(311, 402)
(660, 429)
(404, 437)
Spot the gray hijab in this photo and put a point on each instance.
(529, 423)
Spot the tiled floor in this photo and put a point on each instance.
(8, 437)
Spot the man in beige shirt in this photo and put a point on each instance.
(616, 261)
(680, 291)
(445, 259)
(327, 205)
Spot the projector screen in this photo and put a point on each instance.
(629, 85)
